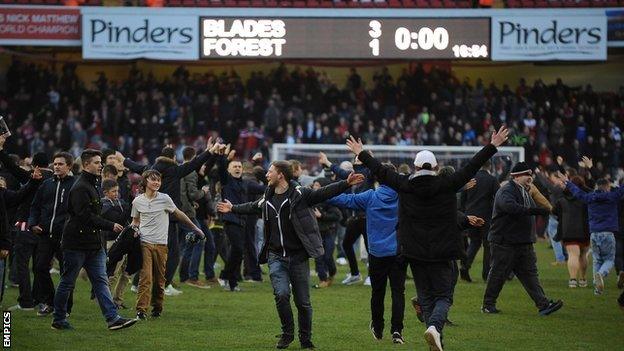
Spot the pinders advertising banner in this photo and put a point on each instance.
(546, 38)
(142, 34)
(32, 25)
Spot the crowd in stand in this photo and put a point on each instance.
(199, 196)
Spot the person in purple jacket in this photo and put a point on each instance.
(602, 208)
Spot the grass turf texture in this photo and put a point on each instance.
(217, 320)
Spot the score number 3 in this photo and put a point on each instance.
(375, 33)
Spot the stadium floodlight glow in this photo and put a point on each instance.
(345, 38)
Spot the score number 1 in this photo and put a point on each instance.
(375, 33)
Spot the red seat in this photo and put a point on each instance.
(422, 3)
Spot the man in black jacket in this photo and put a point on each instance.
(48, 212)
(479, 201)
(238, 191)
(82, 246)
(291, 236)
(172, 173)
(511, 241)
(428, 235)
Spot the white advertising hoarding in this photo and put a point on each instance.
(546, 38)
(128, 36)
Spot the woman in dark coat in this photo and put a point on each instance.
(573, 232)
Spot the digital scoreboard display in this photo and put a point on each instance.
(344, 38)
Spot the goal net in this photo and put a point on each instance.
(456, 156)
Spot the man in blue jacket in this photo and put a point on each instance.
(602, 208)
(382, 213)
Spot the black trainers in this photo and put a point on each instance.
(284, 341)
(307, 345)
(62, 326)
(490, 309)
(121, 323)
(141, 316)
(553, 306)
(377, 334)
(397, 338)
(45, 310)
(155, 314)
(464, 274)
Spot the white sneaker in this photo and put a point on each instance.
(367, 281)
(134, 289)
(352, 279)
(224, 283)
(341, 261)
(54, 271)
(20, 308)
(432, 336)
(171, 291)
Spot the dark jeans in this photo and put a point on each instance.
(435, 285)
(382, 269)
(325, 265)
(222, 248)
(48, 248)
(24, 249)
(478, 237)
(252, 268)
(209, 252)
(356, 226)
(286, 272)
(236, 236)
(521, 260)
(94, 262)
(173, 253)
(191, 255)
(619, 252)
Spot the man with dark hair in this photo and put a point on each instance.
(291, 237)
(238, 191)
(82, 246)
(109, 172)
(479, 201)
(428, 234)
(172, 173)
(48, 212)
(511, 237)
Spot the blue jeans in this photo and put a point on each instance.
(603, 252)
(325, 265)
(94, 262)
(557, 247)
(191, 256)
(292, 271)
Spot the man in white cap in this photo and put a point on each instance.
(428, 235)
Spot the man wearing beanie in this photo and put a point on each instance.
(511, 237)
(427, 232)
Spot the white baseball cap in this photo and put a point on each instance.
(423, 157)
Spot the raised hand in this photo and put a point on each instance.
(224, 207)
(500, 137)
(317, 213)
(559, 160)
(355, 146)
(560, 180)
(355, 179)
(471, 184)
(231, 154)
(323, 160)
(209, 144)
(588, 162)
(257, 157)
(36, 174)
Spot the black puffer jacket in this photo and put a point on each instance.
(82, 229)
(10, 199)
(303, 220)
(427, 228)
(573, 220)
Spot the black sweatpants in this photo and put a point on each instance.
(356, 226)
(382, 269)
(521, 260)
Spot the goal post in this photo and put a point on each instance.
(454, 156)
